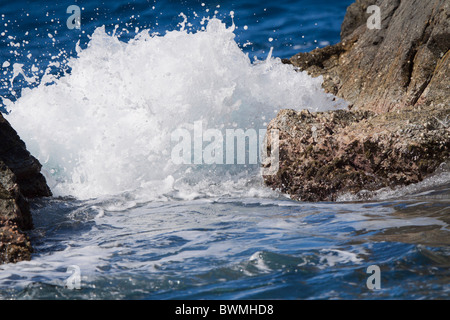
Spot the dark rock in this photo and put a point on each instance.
(25, 167)
(13, 205)
(20, 178)
(396, 81)
(14, 218)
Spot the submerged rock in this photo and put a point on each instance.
(20, 178)
(397, 129)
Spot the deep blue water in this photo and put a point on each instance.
(228, 245)
(294, 26)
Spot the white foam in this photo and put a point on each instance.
(258, 261)
(105, 128)
(332, 257)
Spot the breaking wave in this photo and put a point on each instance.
(104, 127)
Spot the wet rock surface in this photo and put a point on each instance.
(25, 167)
(20, 179)
(396, 80)
(327, 154)
(405, 63)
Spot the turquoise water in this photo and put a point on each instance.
(194, 232)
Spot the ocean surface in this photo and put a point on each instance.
(101, 107)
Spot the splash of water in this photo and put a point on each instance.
(104, 127)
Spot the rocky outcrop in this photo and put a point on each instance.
(405, 63)
(396, 80)
(326, 154)
(14, 219)
(20, 179)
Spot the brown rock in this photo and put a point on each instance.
(25, 167)
(326, 154)
(20, 178)
(405, 63)
(14, 244)
(396, 80)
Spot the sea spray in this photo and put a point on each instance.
(104, 127)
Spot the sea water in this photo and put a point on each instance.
(98, 106)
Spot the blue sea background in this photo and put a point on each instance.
(294, 26)
(226, 247)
